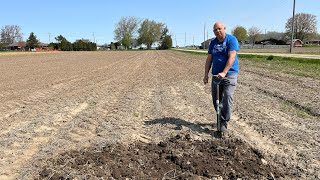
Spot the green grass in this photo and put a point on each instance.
(296, 66)
(287, 107)
(310, 46)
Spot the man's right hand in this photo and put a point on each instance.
(205, 79)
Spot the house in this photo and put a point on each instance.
(268, 43)
(42, 47)
(205, 44)
(296, 42)
(83, 40)
(21, 46)
(313, 42)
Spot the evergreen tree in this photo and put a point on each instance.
(63, 43)
(32, 41)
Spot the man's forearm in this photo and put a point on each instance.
(230, 61)
(208, 65)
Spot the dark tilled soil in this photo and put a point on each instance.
(179, 157)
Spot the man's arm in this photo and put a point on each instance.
(207, 68)
(230, 61)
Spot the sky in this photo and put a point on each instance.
(189, 22)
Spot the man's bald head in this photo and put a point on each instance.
(219, 30)
(218, 24)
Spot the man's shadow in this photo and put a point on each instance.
(196, 127)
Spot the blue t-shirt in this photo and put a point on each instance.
(219, 52)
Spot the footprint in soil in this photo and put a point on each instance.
(177, 157)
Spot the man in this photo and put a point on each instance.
(222, 58)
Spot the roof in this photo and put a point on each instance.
(19, 44)
(294, 40)
(23, 44)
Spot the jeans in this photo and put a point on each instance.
(227, 87)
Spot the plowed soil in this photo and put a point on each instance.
(147, 115)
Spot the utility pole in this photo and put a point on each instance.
(193, 42)
(176, 40)
(94, 38)
(49, 38)
(292, 26)
(204, 36)
(185, 39)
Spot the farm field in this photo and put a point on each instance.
(142, 114)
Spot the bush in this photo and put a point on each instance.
(270, 57)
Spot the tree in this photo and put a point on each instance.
(166, 42)
(240, 33)
(126, 41)
(32, 41)
(10, 34)
(164, 32)
(53, 45)
(83, 45)
(127, 26)
(254, 34)
(63, 43)
(150, 32)
(113, 46)
(276, 35)
(305, 26)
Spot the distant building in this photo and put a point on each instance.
(21, 46)
(296, 42)
(313, 42)
(83, 40)
(205, 44)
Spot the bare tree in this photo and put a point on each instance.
(254, 34)
(305, 26)
(127, 26)
(11, 34)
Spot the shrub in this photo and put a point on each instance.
(270, 57)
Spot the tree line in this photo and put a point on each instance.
(305, 28)
(131, 32)
(12, 33)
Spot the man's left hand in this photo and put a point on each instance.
(222, 75)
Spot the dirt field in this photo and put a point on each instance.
(142, 114)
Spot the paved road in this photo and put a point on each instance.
(309, 56)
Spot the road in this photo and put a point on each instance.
(308, 56)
